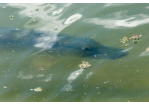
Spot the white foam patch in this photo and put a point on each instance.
(74, 75)
(39, 45)
(47, 17)
(48, 78)
(127, 49)
(145, 53)
(112, 4)
(147, 7)
(46, 38)
(24, 76)
(67, 87)
(71, 78)
(120, 20)
(57, 11)
(40, 75)
(73, 18)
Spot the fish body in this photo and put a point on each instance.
(57, 44)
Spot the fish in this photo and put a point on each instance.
(56, 44)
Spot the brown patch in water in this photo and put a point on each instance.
(41, 63)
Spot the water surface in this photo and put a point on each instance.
(107, 80)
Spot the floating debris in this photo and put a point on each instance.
(135, 38)
(4, 7)
(69, 90)
(11, 16)
(84, 65)
(36, 9)
(124, 40)
(34, 20)
(37, 89)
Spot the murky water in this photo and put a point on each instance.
(32, 71)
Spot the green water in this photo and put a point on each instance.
(105, 81)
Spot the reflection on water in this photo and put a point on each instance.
(28, 63)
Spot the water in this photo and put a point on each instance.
(24, 68)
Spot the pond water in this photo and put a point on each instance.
(31, 70)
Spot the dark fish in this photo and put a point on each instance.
(57, 44)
